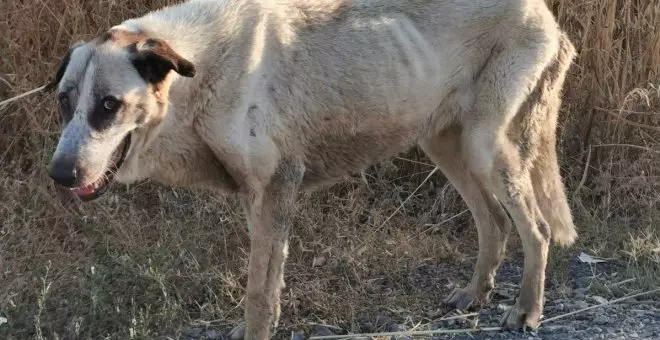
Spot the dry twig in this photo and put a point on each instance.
(408, 198)
(600, 305)
(24, 94)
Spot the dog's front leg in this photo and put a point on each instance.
(270, 213)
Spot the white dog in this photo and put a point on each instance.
(266, 98)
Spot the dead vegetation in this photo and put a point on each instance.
(148, 260)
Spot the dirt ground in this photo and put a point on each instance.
(587, 286)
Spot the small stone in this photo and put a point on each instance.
(579, 305)
(382, 322)
(580, 293)
(213, 335)
(612, 309)
(320, 330)
(595, 330)
(297, 336)
(192, 332)
(502, 307)
(598, 299)
(394, 327)
(383, 319)
(601, 319)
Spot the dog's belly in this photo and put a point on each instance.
(332, 156)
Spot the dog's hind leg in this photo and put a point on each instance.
(501, 88)
(493, 225)
(270, 212)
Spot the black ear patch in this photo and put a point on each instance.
(154, 59)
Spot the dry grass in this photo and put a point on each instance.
(148, 260)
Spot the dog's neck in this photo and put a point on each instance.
(226, 45)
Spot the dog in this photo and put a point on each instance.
(264, 99)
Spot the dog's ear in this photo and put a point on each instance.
(61, 69)
(154, 59)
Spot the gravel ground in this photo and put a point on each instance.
(632, 319)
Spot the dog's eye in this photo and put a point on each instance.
(63, 98)
(110, 103)
(65, 110)
(104, 113)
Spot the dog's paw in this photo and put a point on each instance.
(517, 317)
(238, 332)
(464, 298)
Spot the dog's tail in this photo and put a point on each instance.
(550, 196)
(546, 178)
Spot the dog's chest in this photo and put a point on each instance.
(181, 159)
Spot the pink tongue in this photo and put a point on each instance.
(84, 191)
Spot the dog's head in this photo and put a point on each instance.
(110, 90)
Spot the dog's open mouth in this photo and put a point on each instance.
(97, 188)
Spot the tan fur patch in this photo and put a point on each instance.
(121, 37)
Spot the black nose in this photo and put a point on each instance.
(63, 170)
